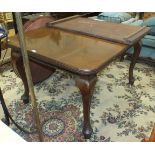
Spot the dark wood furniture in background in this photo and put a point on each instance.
(83, 56)
(27, 16)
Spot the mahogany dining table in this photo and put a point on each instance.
(82, 55)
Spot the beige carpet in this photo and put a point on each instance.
(119, 112)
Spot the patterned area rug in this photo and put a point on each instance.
(119, 112)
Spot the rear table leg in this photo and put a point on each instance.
(86, 85)
(137, 49)
(122, 57)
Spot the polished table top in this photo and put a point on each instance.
(73, 52)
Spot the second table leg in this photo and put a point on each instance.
(17, 62)
(38, 71)
(137, 49)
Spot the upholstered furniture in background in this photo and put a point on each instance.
(147, 54)
(148, 42)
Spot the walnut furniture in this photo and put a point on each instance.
(82, 55)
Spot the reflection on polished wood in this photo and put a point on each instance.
(81, 55)
(77, 53)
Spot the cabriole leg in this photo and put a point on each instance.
(86, 85)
